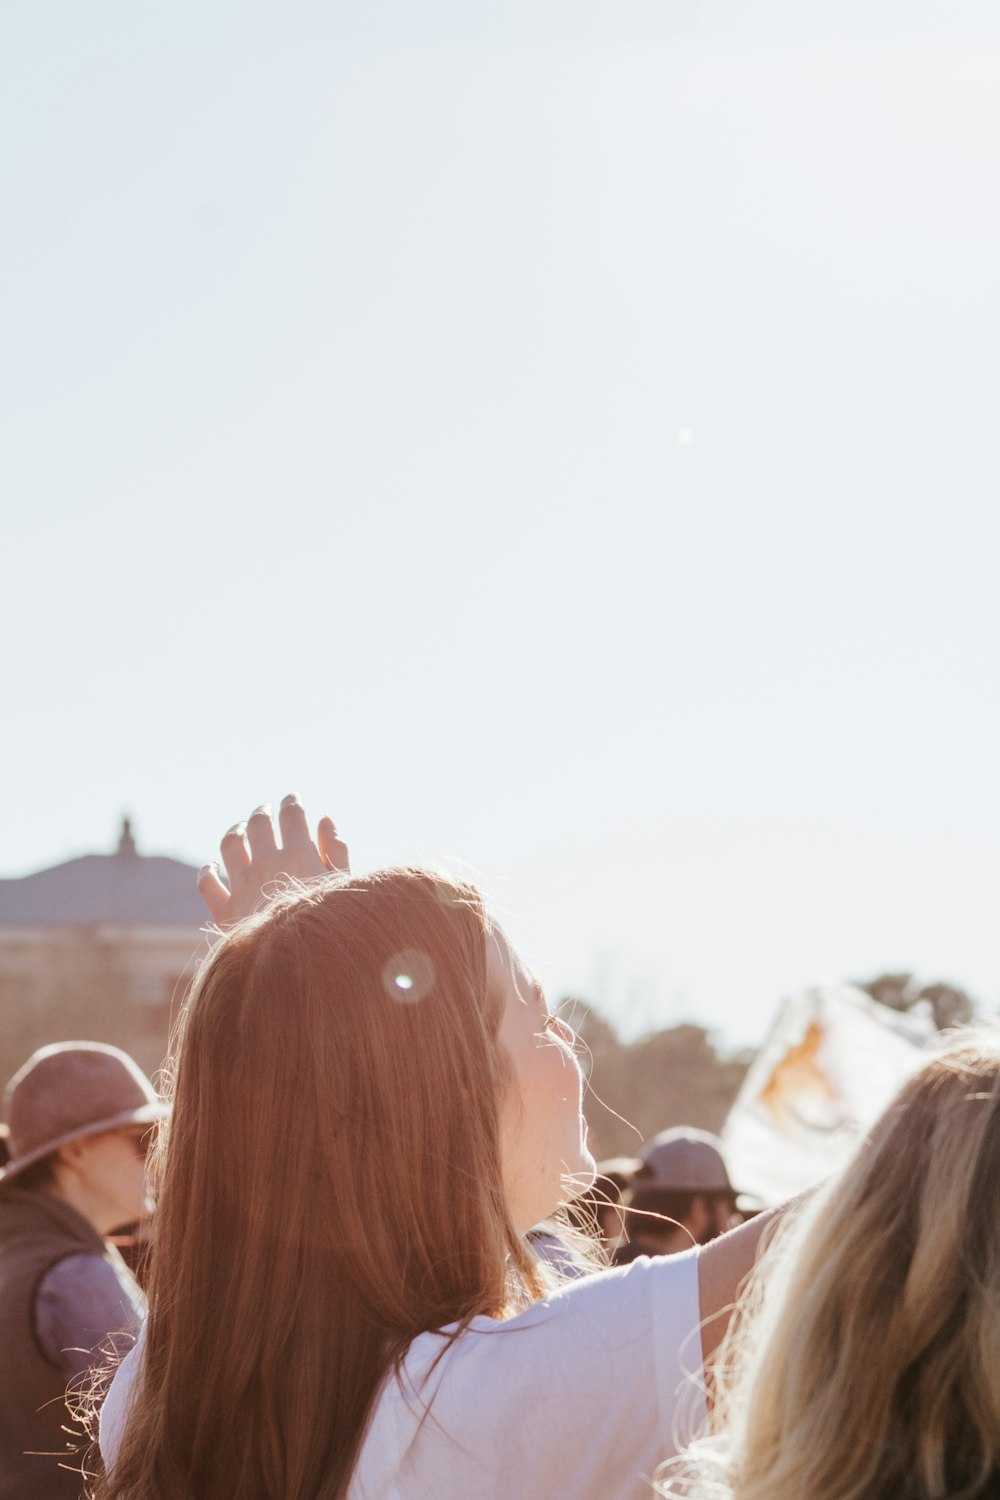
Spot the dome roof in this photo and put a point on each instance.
(124, 887)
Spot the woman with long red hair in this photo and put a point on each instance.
(372, 1106)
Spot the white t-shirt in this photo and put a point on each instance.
(578, 1398)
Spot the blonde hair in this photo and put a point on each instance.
(331, 1187)
(865, 1361)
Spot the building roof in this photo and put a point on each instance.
(125, 887)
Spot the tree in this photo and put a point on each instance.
(670, 1077)
(950, 1005)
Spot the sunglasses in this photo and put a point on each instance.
(141, 1141)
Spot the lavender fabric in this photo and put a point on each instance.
(83, 1303)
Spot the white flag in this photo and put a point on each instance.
(833, 1060)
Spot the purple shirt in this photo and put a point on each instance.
(84, 1307)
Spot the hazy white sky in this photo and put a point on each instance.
(348, 357)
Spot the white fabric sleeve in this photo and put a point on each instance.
(581, 1397)
(114, 1412)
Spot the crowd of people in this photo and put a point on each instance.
(384, 1264)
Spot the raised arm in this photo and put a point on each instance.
(723, 1267)
(254, 861)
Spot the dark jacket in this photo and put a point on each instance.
(38, 1456)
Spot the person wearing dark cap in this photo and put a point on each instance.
(78, 1118)
(680, 1195)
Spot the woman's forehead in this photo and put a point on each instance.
(511, 970)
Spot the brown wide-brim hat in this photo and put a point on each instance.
(71, 1090)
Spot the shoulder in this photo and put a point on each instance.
(637, 1324)
(586, 1389)
(633, 1327)
(631, 1298)
(90, 1283)
(82, 1300)
(638, 1303)
(77, 1270)
(627, 1311)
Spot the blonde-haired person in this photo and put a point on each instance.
(372, 1108)
(865, 1364)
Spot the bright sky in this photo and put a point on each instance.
(558, 436)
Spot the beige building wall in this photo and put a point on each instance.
(104, 983)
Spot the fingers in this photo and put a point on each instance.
(214, 894)
(296, 838)
(235, 852)
(292, 822)
(256, 867)
(260, 832)
(332, 849)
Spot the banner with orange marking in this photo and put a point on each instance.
(832, 1062)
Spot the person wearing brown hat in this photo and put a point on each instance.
(78, 1117)
(680, 1195)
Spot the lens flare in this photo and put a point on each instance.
(408, 977)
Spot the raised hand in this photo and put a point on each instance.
(254, 861)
